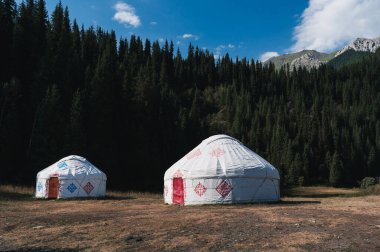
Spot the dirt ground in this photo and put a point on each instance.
(313, 219)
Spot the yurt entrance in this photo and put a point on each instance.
(178, 194)
(53, 185)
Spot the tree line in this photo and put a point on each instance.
(134, 107)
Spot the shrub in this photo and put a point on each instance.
(367, 182)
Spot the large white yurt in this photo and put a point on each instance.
(221, 170)
(71, 177)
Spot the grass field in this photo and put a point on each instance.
(308, 219)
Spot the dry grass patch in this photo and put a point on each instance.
(133, 195)
(319, 191)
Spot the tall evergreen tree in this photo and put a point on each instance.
(8, 15)
(336, 167)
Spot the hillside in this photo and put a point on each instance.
(351, 53)
(348, 57)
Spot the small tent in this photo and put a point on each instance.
(221, 170)
(71, 177)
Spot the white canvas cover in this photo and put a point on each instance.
(222, 170)
(77, 178)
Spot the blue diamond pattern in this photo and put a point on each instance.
(71, 188)
(62, 165)
(39, 186)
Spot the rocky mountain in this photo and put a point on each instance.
(307, 58)
(355, 50)
(361, 45)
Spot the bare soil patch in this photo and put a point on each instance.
(313, 219)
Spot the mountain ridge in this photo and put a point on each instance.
(314, 59)
(361, 45)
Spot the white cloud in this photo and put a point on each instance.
(126, 14)
(161, 40)
(153, 23)
(267, 55)
(327, 25)
(188, 36)
(222, 49)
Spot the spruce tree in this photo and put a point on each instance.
(8, 14)
(336, 170)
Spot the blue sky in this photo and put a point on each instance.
(243, 28)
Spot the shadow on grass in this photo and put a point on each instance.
(298, 202)
(252, 204)
(317, 195)
(96, 198)
(39, 250)
(284, 202)
(15, 196)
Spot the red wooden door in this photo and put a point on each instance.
(178, 193)
(53, 188)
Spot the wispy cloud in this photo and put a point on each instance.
(189, 36)
(153, 23)
(161, 40)
(126, 14)
(222, 49)
(326, 25)
(267, 55)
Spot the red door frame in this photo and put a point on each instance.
(178, 191)
(53, 187)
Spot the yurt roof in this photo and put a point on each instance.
(222, 155)
(72, 166)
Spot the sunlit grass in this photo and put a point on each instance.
(16, 192)
(319, 191)
(133, 194)
(10, 192)
(372, 190)
(17, 189)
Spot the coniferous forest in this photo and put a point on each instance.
(134, 107)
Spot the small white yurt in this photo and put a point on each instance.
(71, 177)
(221, 170)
